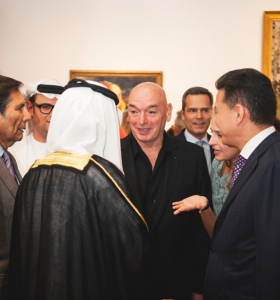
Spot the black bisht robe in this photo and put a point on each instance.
(75, 233)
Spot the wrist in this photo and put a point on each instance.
(205, 207)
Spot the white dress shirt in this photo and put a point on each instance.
(190, 138)
(254, 142)
(27, 151)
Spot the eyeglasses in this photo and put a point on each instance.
(44, 108)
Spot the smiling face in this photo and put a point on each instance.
(221, 151)
(12, 122)
(148, 112)
(197, 115)
(40, 121)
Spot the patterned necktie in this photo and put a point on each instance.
(200, 143)
(238, 167)
(9, 163)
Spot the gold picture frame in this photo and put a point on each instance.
(120, 82)
(271, 51)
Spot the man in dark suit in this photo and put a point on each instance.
(13, 115)
(159, 173)
(244, 262)
(197, 103)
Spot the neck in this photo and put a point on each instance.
(246, 134)
(151, 149)
(3, 145)
(39, 137)
(198, 136)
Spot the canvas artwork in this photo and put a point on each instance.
(120, 82)
(275, 57)
(271, 51)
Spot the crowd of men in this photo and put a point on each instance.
(92, 217)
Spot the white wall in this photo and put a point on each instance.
(192, 41)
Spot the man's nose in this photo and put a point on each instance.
(142, 118)
(199, 114)
(26, 115)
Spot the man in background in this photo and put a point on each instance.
(244, 262)
(197, 103)
(13, 116)
(159, 173)
(40, 106)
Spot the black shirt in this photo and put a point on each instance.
(151, 181)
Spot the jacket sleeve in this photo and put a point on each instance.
(267, 224)
(200, 236)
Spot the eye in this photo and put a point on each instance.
(192, 110)
(46, 106)
(206, 110)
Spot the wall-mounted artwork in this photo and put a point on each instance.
(271, 50)
(120, 82)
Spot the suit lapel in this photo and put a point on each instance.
(172, 165)
(8, 179)
(249, 168)
(211, 149)
(130, 171)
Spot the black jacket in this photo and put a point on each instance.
(244, 262)
(181, 136)
(179, 244)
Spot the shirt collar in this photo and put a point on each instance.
(254, 142)
(192, 139)
(1, 151)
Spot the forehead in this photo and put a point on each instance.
(145, 98)
(16, 99)
(198, 101)
(43, 99)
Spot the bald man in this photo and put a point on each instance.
(161, 170)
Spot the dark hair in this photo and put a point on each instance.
(251, 89)
(32, 98)
(197, 90)
(7, 87)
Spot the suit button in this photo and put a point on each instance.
(211, 251)
(154, 201)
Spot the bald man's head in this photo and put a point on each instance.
(148, 112)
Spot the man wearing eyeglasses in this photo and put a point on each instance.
(40, 106)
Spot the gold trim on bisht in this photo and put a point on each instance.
(79, 162)
(64, 159)
(119, 188)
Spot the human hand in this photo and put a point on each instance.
(190, 203)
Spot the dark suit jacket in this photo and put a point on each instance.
(245, 259)
(181, 136)
(8, 190)
(179, 244)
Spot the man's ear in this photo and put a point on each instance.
(239, 113)
(168, 112)
(30, 107)
(182, 115)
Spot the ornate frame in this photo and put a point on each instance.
(271, 51)
(157, 74)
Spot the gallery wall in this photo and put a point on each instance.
(192, 42)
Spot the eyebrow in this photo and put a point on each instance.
(20, 105)
(150, 106)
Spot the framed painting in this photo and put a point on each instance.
(271, 51)
(120, 82)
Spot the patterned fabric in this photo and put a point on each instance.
(9, 163)
(219, 186)
(238, 167)
(200, 143)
